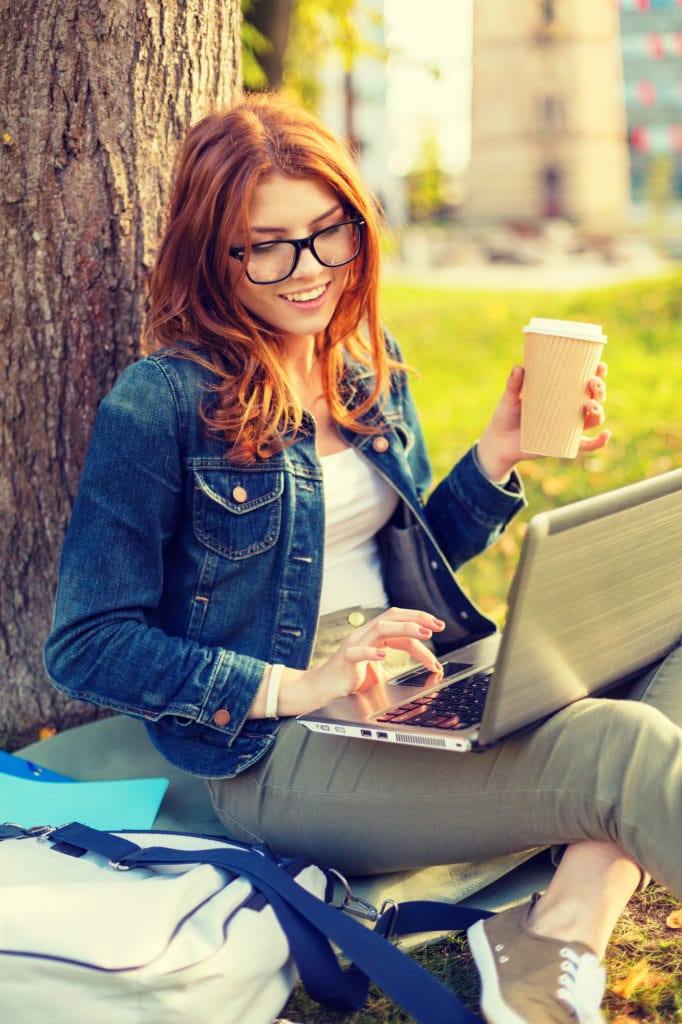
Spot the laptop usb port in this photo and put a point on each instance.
(365, 732)
(382, 735)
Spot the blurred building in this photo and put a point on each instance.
(548, 129)
(651, 32)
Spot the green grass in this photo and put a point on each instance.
(463, 343)
(644, 954)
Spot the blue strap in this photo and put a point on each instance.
(428, 916)
(311, 925)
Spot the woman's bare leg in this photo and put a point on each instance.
(586, 895)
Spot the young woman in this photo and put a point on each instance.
(227, 567)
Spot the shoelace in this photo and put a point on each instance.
(582, 984)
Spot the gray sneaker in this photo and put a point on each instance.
(529, 979)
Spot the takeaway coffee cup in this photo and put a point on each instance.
(560, 357)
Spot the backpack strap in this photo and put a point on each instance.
(311, 926)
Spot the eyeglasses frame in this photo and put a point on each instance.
(238, 252)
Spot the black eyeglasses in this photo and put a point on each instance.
(270, 262)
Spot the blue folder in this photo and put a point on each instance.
(32, 795)
(10, 764)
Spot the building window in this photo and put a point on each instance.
(552, 200)
(550, 114)
(545, 31)
(548, 12)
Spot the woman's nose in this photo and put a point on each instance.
(307, 264)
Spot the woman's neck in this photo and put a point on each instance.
(301, 365)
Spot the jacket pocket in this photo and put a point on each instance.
(238, 513)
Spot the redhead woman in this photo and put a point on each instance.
(224, 571)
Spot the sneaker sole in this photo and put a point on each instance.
(494, 1008)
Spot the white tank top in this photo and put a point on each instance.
(357, 503)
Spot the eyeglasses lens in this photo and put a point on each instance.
(332, 247)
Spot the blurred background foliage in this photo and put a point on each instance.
(284, 42)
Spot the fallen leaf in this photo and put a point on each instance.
(625, 1019)
(46, 733)
(641, 976)
(508, 545)
(674, 920)
(554, 485)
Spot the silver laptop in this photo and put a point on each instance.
(596, 599)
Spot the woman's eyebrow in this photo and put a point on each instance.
(337, 208)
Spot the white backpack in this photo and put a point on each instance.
(81, 940)
(172, 928)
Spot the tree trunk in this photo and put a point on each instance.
(96, 97)
(273, 18)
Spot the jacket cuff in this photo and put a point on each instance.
(488, 502)
(232, 688)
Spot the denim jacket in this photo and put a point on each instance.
(183, 574)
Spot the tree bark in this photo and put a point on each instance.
(95, 97)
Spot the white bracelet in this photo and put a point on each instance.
(272, 694)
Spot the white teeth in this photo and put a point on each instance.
(314, 293)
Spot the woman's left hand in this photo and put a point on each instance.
(500, 446)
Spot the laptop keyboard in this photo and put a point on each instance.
(456, 706)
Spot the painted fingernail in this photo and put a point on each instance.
(438, 624)
(381, 652)
(423, 631)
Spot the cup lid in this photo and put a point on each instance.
(566, 328)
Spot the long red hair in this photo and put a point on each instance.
(224, 158)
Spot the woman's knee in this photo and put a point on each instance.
(599, 743)
(615, 722)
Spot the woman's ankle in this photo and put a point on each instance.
(586, 896)
(562, 920)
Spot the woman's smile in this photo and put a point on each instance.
(309, 299)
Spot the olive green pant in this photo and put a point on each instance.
(600, 769)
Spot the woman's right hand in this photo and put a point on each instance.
(356, 664)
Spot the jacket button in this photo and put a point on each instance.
(239, 495)
(222, 717)
(380, 444)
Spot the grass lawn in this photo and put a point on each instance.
(463, 344)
